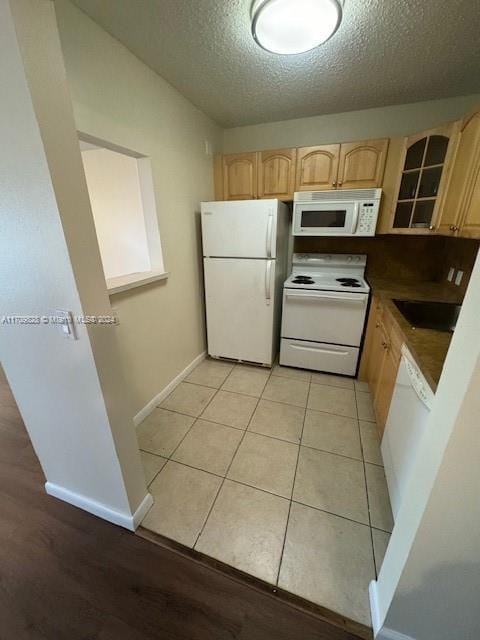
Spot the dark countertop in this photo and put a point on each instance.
(428, 346)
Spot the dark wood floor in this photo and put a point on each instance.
(67, 575)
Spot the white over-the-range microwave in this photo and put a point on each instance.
(348, 212)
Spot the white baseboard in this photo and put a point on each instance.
(154, 402)
(374, 613)
(128, 521)
(142, 510)
(379, 632)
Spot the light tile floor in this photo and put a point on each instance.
(277, 473)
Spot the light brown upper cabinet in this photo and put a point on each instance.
(240, 176)
(461, 211)
(317, 167)
(276, 173)
(426, 167)
(362, 164)
(351, 165)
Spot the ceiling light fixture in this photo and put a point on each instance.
(294, 26)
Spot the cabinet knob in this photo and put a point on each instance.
(340, 184)
(431, 227)
(334, 184)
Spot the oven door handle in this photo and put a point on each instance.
(330, 352)
(350, 298)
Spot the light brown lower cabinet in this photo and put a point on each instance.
(380, 360)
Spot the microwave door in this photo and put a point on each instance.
(326, 218)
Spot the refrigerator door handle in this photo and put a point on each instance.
(268, 280)
(269, 235)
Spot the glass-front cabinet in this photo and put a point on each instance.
(425, 171)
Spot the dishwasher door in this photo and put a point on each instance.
(406, 424)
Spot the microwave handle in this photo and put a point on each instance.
(355, 218)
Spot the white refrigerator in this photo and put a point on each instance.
(244, 257)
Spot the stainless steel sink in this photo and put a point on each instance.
(441, 316)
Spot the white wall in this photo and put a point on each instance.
(71, 394)
(117, 98)
(384, 122)
(430, 579)
(115, 196)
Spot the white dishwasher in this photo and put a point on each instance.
(407, 420)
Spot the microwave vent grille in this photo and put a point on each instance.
(344, 195)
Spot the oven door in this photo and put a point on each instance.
(324, 316)
(325, 218)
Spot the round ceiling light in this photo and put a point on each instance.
(294, 26)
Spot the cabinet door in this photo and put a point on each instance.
(317, 168)
(470, 226)
(276, 174)
(462, 177)
(385, 387)
(374, 315)
(377, 356)
(427, 164)
(362, 164)
(469, 218)
(240, 176)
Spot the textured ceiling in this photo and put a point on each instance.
(385, 52)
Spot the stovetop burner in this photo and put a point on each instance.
(303, 280)
(349, 282)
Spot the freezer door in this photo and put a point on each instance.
(240, 229)
(239, 300)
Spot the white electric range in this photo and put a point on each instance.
(325, 303)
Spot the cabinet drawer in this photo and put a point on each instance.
(319, 356)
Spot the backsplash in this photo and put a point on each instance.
(402, 257)
(459, 253)
(399, 257)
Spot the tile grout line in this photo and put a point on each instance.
(270, 493)
(293, 487)
(276, 495)
(199, 417)
(228, 468)
(366, 488)
(195, 419)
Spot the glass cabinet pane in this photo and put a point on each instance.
(436, 150)
(408, 186)
(430, 182)
(422, 216)
(414, 157)
(403, 213)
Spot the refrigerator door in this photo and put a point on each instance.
(239, 298)
(240, 229)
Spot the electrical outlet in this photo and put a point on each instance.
(451, 273)
(458, 278)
